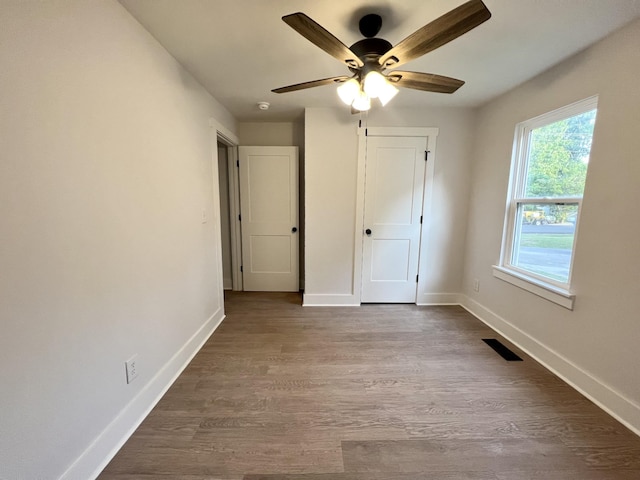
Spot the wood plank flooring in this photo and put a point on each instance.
(380, 392)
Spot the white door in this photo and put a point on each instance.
(394, 186)
(269, 218)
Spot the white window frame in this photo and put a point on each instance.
(555, 291)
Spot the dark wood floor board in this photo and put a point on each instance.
(303, 428)
(560, 474)
(138, 476)
(610, 457)
(182, 425)
(575, 429)
(228, 462)
(464, 428)
(381, 392)
(160, 462)
(440, 455)
(473, 475)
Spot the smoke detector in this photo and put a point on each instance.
(263, 105)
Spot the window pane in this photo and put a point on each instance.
(543, 239)
(559, 156)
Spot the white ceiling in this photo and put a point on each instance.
(241, 49)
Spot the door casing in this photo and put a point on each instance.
(230, 140)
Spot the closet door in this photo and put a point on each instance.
(394, 187)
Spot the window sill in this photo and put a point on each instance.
(547, 291)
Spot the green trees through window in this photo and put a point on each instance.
(559, 156)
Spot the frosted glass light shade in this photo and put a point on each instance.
(377, 86)
(362, 102)
(374, 84)
(387, 93)
(349, 91)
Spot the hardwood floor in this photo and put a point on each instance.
(380, 392)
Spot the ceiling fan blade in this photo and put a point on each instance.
(313, 83)
(319, 36)
(437, 33)
(427, 82)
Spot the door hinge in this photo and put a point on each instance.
(417, 278)
(241, 269)
(359, 123)
(420, 219)
(239, 218)
(366, 132)
(238, 163)
(426, 155)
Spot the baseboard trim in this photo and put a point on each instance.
(96, 457)
(623, 409)
(438, 299)
(348, 300)
(329, 300)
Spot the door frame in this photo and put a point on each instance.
(431, 133)
(231, 141)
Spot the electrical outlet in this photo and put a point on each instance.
(131, 366)
(476, 285)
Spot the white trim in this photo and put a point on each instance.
(427, 216)
(105, 446)
(227, 135)
(623, 409)
(435, 299)
(217, 223)
(330, 300)
(359, 220)
(547, 291)
(234, 212)
(231, 141)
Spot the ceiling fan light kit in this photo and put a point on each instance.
(368, 58)
(358, 94)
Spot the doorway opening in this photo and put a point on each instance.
(227, 157)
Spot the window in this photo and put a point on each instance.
(550, 161)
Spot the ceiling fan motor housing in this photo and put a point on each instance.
(369, 50)
(370, 47)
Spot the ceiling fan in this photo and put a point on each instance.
(369, 58)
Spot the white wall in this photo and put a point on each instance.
(270, 134)
(595, 346)
(331, 144)
(330, 162)
(106, 168)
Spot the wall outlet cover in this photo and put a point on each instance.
(131, 367)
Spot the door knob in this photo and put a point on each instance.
(368, 231)
(294, 230)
